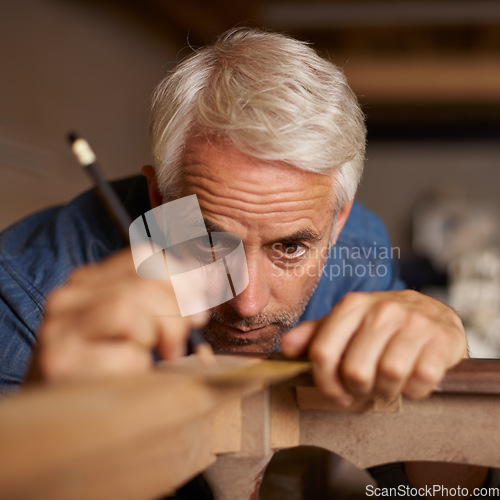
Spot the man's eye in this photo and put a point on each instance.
(216, 246)
(289, 251)
(205, 247)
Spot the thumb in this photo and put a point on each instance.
(296, 341)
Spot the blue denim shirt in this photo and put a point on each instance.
(38, 253)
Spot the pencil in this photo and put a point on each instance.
(88, 160)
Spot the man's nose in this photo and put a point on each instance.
(256, 295)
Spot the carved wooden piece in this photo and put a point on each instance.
(445, 427)
(139, 438)
(441, 428)
(239, 475)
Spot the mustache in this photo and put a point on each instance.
(233, 320)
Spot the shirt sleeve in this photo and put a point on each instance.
(17, 339)
(38, 253)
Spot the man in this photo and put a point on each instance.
(271, 140)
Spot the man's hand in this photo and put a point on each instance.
(107, 320)
(380, 344)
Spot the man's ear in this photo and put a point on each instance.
(155, 197)
(342, 217)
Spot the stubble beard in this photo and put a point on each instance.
(282, 321)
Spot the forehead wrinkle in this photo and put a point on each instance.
(262, 203)
(256, 177)
(226, 164)
(242, 208)
(243, 219)
(245, 213)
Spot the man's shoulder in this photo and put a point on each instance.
(38, 253)
(363, 227)
(41, 250)
(362, 259)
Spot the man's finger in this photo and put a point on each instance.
(398, 361)
(329, 343)
(429, 369)
(359, 365)
(295, 342)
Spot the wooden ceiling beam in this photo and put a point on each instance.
(320, 15)
(426, 79)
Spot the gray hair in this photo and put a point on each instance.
(269, 95)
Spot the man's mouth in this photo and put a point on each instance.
(244, 333)
(240, 336)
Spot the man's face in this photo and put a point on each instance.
(284, 217)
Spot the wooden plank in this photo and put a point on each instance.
(239, 475)
(311, 398)
(255, 425)
(473, 376)
(225, 431)
(285, 418)
(470, 376)
(238, 369)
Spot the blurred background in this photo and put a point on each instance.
(426, 72)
